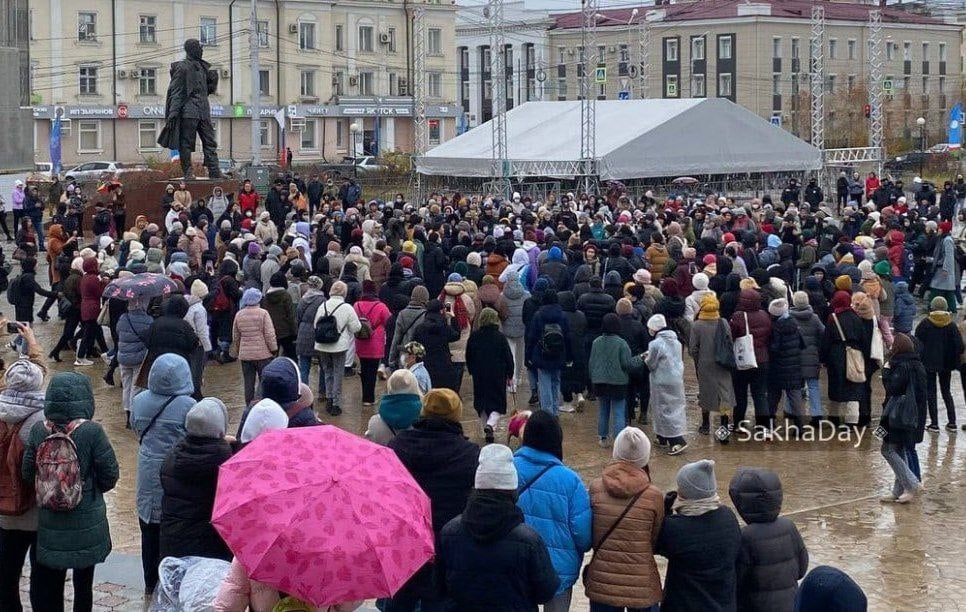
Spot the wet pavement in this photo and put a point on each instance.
(904, 557)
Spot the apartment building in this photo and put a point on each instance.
(330, 65)
(758, 55)
(16, 153)
(526, 58)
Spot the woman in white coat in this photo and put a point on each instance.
(197, 316)
(665, 361)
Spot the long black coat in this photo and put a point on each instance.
(490, 363)
(785, 354)
(189, 476)
(832, 354)
(169, 334)
(905, 373)
(435, 334)
(940, 346)
(575, 376)
(434, 268)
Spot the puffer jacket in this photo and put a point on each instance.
(346, 321)
(495, 264)
(812, 330)
(305, 319)
(22, 405)
(168, 394)
(785, 350)
(595, 305)
(268, 268)
(407, 321)
(905, 308)
(252, 267)
(940, 343)
(512, 299)
(91, 289)
(773, 557)
(657, 257)
(557, 505)
(278, 303)
(759, 323)
(536, 357)
(623, 573)
(378, 315)
(253, 335)
(82, 536)
(197, 318)
(132, 337)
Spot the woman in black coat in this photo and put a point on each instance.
(170, 333)
(490, 363)
(28, 289)
(189, 476)
(435, 332)
(904, 374)
(729, 297)
(573, 381)
(843, 394)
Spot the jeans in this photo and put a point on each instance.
(757, 380)
(37, 218)
(333, 368)
(519, 355)
(912, 458)
(560, 602)
(150, 553)
(793, 401)
(305, 372)
(945, 379)
(814, 397)
(50, 588)
(250, 371)
(14, 545)
(895, 456)
(607, 406)
(533, 379)
(129, 374)
(599, 607)
(548, 386)
(367, 373)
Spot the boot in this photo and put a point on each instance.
(705, 424)
(835, 421)
(109, 377)
(186, 168)
(724, 423)
(214, 172)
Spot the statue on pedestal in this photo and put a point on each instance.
(187, 112)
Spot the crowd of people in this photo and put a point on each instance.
(575, 300)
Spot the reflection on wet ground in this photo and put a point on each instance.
(904, 557)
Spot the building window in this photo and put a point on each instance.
(698, 89)
(697, 48)
(486, 60)
(581, 55)
(209, 31)
(262, 27)
(794, 84)
(264, 83)
(394, 84)
(147, 28)
(264, 132)
(942, 52)
(340, 134)
(508, 65)
(434, 84)
(725, 85)
(307, 141)
(464, 90)
(907, 84)
(561, 55)
(562, 88)
(925, 85)
(306, 36)
(601, 52)
(531, 56)
(925, 52)
(147, 135)
(725, 50)
(776, 47)
(623, 57)
(365, 84)
(434, 41)
(338, 80)
(942, 85)
(365, 39)
(602, 91)
(889, 50)
(831, 84)
(88, 80)
(833, 46)
(307, 88)
(851, 82)
(339, 38)
(531, 89)
(148, 81)
(433, 131)
(671, 86)
(88, 136)
(464, 58)
(851, 48)
(776, 84)
(671, 50)
(487, 89)
(906, 51)
(392, 40)
(87, 26)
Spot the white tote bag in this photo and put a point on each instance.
(878, 346)
(745, 349)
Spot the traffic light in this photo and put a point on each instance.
(867, 109)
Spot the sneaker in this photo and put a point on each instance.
(951, 427)
(367, 404)
(932, 428)
(677, 449)
(567, 407)
(78, 363)
(580, 404)
(334, 410)
(888, 498)
(602, 442)
(905, 498)
(488, 434)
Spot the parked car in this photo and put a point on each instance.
(934, 158)
(42, 171)
(97, 171)
(367, 163)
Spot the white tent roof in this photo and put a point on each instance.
(635, 139)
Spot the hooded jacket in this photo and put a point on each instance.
(197, 318)
(759, 323)
(305, 320)
(940, 344)
(785, 352)
(812, 331)
(253, 334)
(278, 302)
(492, 561)
(91, 289)
(905, 308)
(512, 300)
(132, 336)
(81, 537)
(905, 374)
(168, 398)
(773, 557)
(22, 406)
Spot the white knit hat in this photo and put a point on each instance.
(656, 323)
(263, 416)
(632, 445)
(496, 470)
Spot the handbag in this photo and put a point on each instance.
(902, 411)
(744, 349)
(724, 348)
(104, 317)
(877, 351)
(608, 533)
(854, 360)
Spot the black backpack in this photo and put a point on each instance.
(552, 339)
(327, 327)
(13, 291)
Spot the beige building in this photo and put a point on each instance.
(757, 54)
(329, 65)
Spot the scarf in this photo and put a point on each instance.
(696, 507)
(459, 309)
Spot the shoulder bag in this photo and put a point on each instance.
(724, 348)
(155, 418)
(901, 412)
(535, 479)
(854, 360)
(745, 349)
(600, 543)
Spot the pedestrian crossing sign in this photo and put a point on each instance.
(600, 75)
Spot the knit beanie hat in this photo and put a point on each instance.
(207, 419)
(643, 277)
(843, 283)
(474, 259)
(402, 381)
(455, 277)
(277, 280)
(624, 306)
(543, 433)
(280, 381)
(700, 281)
(656, 323)
(338, 288)
(632, 445)
(696, 480)
(800, 298)
(24, 375)
(251, 297)
(938, 303)
(263, 416)
(883, 268)
(496, 470)
(420, 295)
(199, 289)
(778, 308)
(443, 403)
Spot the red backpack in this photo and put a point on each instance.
(58, 482)
(16, 496)
(220, 301)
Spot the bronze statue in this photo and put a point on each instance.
(187, 112)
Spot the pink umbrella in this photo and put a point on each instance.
(323, 514)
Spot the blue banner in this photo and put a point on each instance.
(956, 126)
(55, 166)
(174, 154)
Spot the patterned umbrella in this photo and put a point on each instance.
(140, 286)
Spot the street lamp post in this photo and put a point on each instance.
(921, 122)
(354, 129)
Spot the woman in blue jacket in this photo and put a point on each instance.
(554, 502)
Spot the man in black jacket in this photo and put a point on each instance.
(489, 559)
(443, 463)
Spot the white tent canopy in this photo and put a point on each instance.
(635, 139)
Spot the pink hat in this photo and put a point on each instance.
(642, 277)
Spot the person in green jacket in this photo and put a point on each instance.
(611, 363)
(81, 538)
